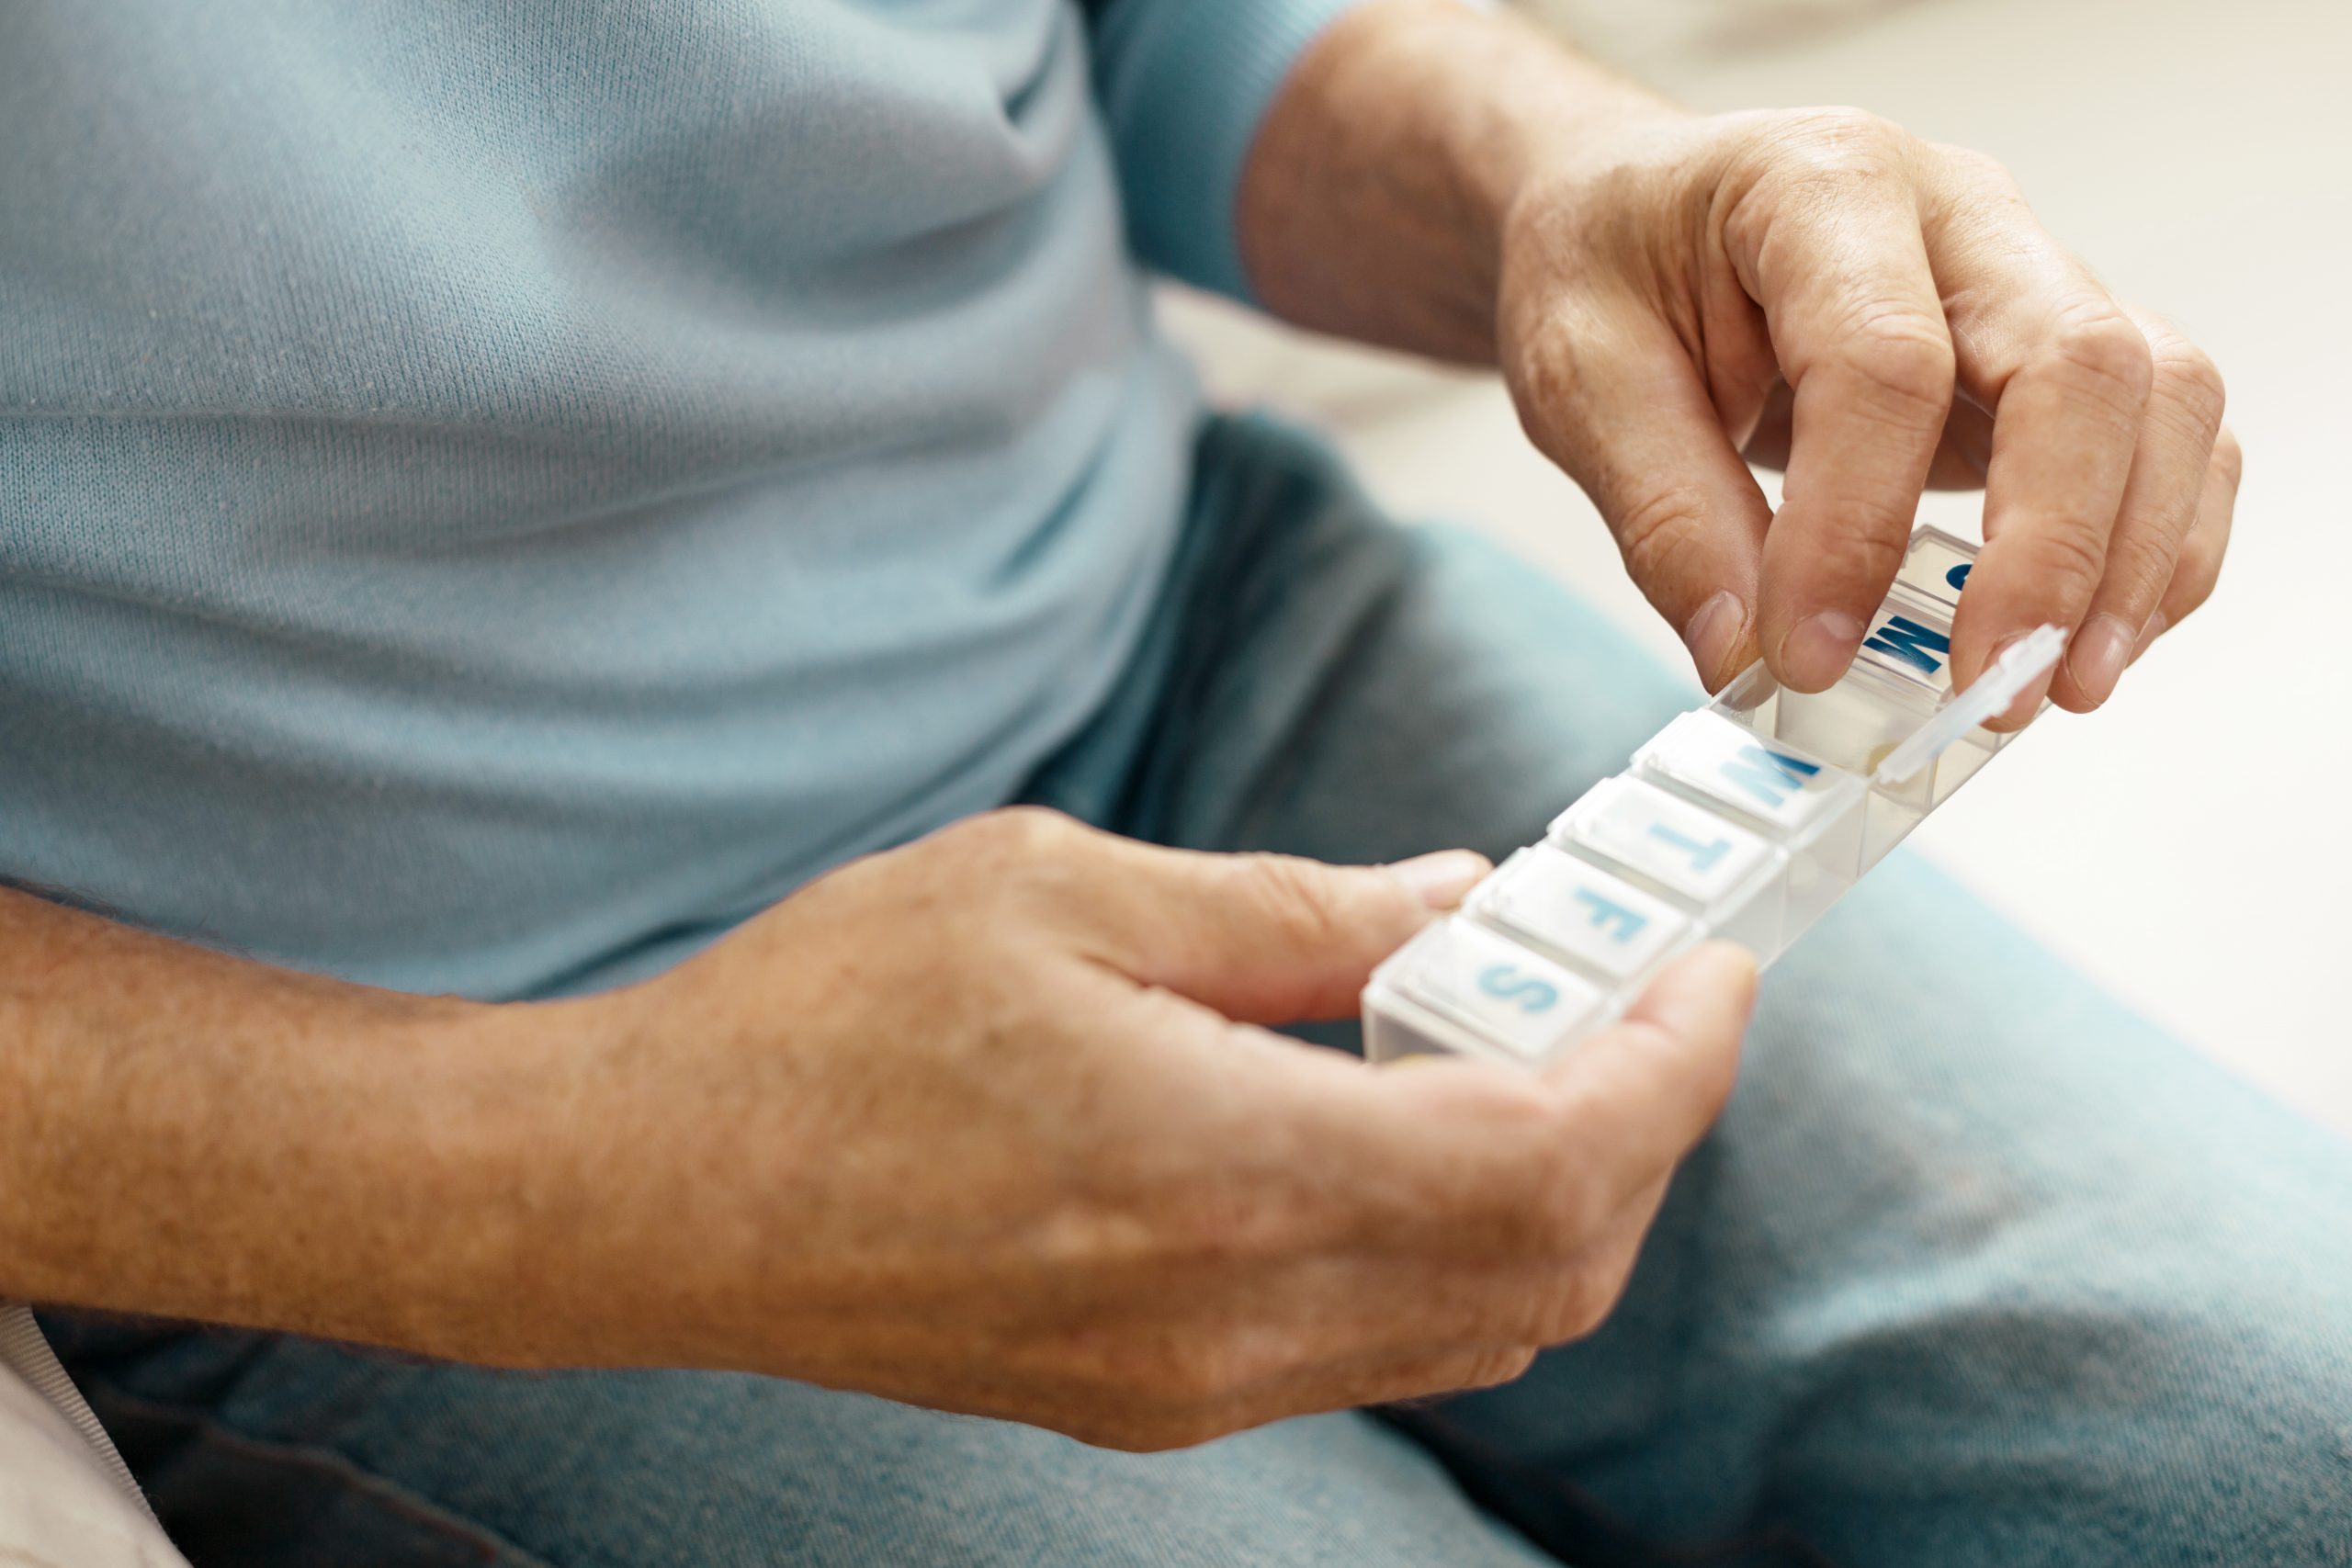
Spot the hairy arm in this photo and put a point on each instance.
(191, 1135)
(1379, 190)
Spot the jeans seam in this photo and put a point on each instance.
(327, 1460)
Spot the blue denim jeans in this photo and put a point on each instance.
(1979, 1268)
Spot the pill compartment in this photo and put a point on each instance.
(1900, 678)
(1900, 675)
(1731, 880)
(1852, 726)
(1733, 763)
(1580, 913)
(1462, 987)
(1936, 566)
(1744, 820)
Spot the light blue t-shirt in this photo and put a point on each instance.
(492, 495)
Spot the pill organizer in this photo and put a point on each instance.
(1744, 820)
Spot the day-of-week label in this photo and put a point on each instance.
(1911, 648)
(1577, 910)
(1520, 999)
(1735, 765)
(1685, 849)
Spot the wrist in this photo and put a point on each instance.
(496, 1165)
(593, 1184)
(1546, 118)
(188, 1135)
(1386, 184)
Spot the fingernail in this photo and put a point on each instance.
(2148, 635)
(2097, 656)
(1713, 633)
(2029, 701)
(1440, 879)
(1816, 652)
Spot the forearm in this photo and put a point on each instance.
(190, 1134)
(1377, 194)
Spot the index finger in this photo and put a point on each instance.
(1839, 265)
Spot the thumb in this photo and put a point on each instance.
(1648, 1088)
(1264, 937)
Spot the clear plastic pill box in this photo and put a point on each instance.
(1744, 820)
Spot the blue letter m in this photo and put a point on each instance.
(1904, 638)
(1771, 776)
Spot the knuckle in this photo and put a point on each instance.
(1027, 854)
(1812, 158)
(2229, 458)
(1539, 396)
(1905, 356)
(1860, 541)
(2194, 576)
(2189, 377)
(1550, 367)
(1492, 1368)
(1294, 897)
(2138, 574)
(1662, 538)
(2096, 341)
(1587, 1297)
(2072, 560)
(1841, 139)
(1014, 833)
(1977, 169)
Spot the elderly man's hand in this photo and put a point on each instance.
(1666, 292)
(1823, 289)
(970, 1124)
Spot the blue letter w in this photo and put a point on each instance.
(1770, 776)
(1908, 640)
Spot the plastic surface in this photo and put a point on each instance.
(1744, 820)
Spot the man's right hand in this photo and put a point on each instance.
(972, 1124)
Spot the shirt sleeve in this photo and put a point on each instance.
(1183, 84)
